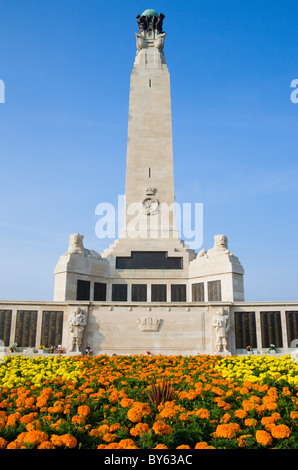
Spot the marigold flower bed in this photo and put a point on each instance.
(118, 402)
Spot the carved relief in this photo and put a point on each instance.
(76, 323)
(148, 323)
(221, 324)
(150, 203)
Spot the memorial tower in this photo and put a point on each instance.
(149, 262)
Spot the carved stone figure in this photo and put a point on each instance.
(220, 246)
(142, 23)
(76, 244)
(157, 22)
(76, 247)
(141, 42)
(77, 322)
(221, 324)
(159, 42)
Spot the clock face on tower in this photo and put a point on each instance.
(151, 205)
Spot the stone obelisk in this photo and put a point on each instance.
(149, 170)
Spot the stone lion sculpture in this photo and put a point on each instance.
(76, 247)
(220, 247)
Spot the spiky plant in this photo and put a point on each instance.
(160, 393)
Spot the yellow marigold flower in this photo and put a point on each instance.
(264, 438)
(281, 431)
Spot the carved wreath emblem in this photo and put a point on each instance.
(151, 205)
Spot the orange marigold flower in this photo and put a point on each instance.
(28, 418)
(168, 413)
(57, 440)
(264, 438)
(202, 413)
(183, 417)
(139, 429)
(3, 443)
(33, 437)
(80, 420)
(161, 428)
(33, 426)
(115, 427)
(135, 415)
(46, 445)
(84, 410)
(250, 422)
(225, 430)
(126, 402)
(281, 431)
(112, 445)
(127, 444)
(109, 437)
(160, 446)
(294, 415)
(240, 414)
(201, 445)
(183, 446)
(69, 440)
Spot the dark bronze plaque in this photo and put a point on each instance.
(198, 292)
(271, 329)
(292, 326)
(5, 324)
(158, 293)
(214, 291)
(25, 333)
(178, 293)
(51, 329)
(83, 290)
(149, 260)
(139, 293)
(119, 292)
(245, 330)
(100, 291)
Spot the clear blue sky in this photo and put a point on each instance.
(66, 67)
